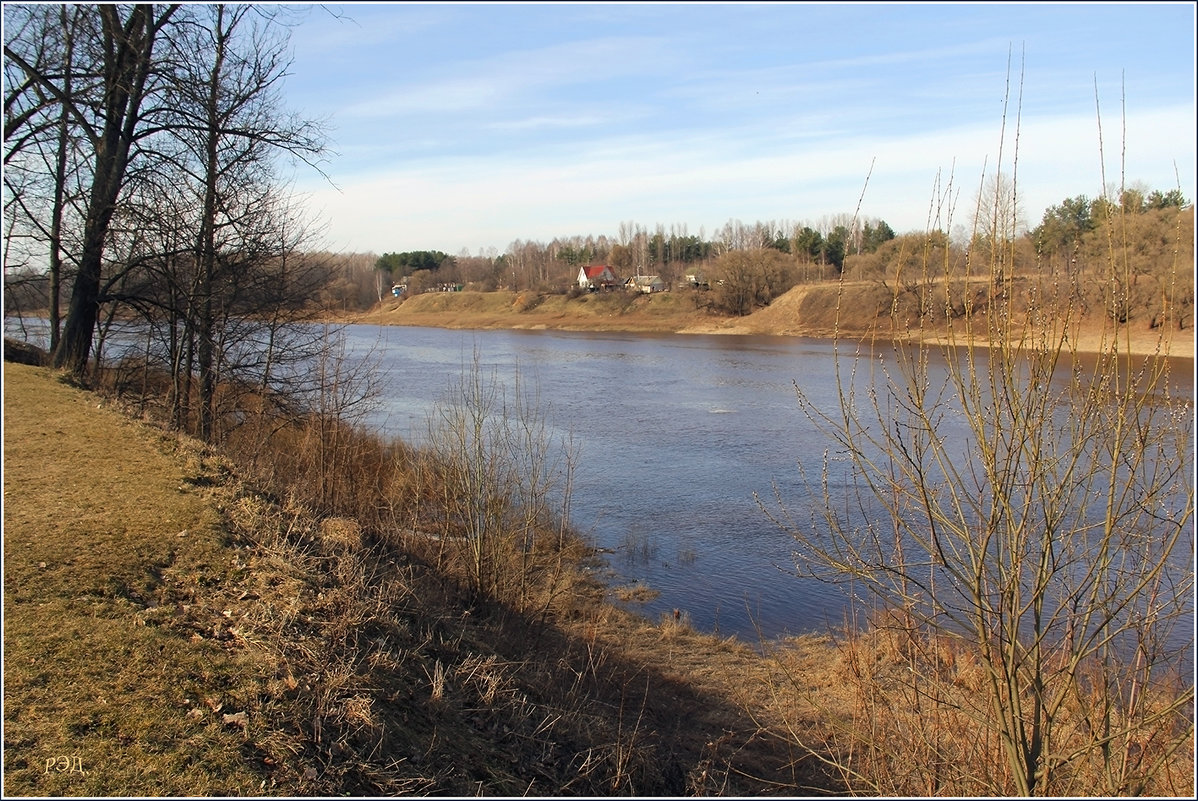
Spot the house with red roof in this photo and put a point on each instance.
(597, 276)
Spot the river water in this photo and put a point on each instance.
(674, 434)
(676, 437)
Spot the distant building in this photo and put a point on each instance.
(647, 284)
(597, 276)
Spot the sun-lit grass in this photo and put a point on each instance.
(98, 519)
(191, 635)
(902, 712)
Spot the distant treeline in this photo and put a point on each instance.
(748, 265)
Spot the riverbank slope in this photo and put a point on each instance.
(805, 310)
(168, 631)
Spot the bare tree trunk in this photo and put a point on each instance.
(127, 65)
(206, 249)
(60, 180)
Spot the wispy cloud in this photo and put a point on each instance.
(478, 125)
(345, 31)
(479, 84)
(691, 182)
(535, 123)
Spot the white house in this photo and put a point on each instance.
(596, 276)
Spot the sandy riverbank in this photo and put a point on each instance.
(805, 311)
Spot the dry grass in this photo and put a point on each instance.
(178, 632)
(637, 592)
(601, 311)
(808, 310)
(98, 519)
(904, 716)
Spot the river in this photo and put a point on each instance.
(676, 437)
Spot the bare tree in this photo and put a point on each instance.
(227, 113)
(749, 279)
(1009, 501)
(122, 56)
(42, 156)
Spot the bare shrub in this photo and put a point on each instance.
(500, 486)
(750, 279)
(1022, 518)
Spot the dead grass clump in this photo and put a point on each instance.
(341, 534)
(675, 624)
(637, 592)
(897, 712)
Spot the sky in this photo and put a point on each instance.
(466, 127)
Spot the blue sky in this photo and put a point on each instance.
(468, 126)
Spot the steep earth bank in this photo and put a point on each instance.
(806, 310)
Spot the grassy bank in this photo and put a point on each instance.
(809, 310)
(171, 631)
(106, 527)
(174, 625)
(607, 311)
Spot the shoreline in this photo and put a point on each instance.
(506, 311)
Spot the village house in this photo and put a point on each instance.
(596, 276)
(647, 284)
